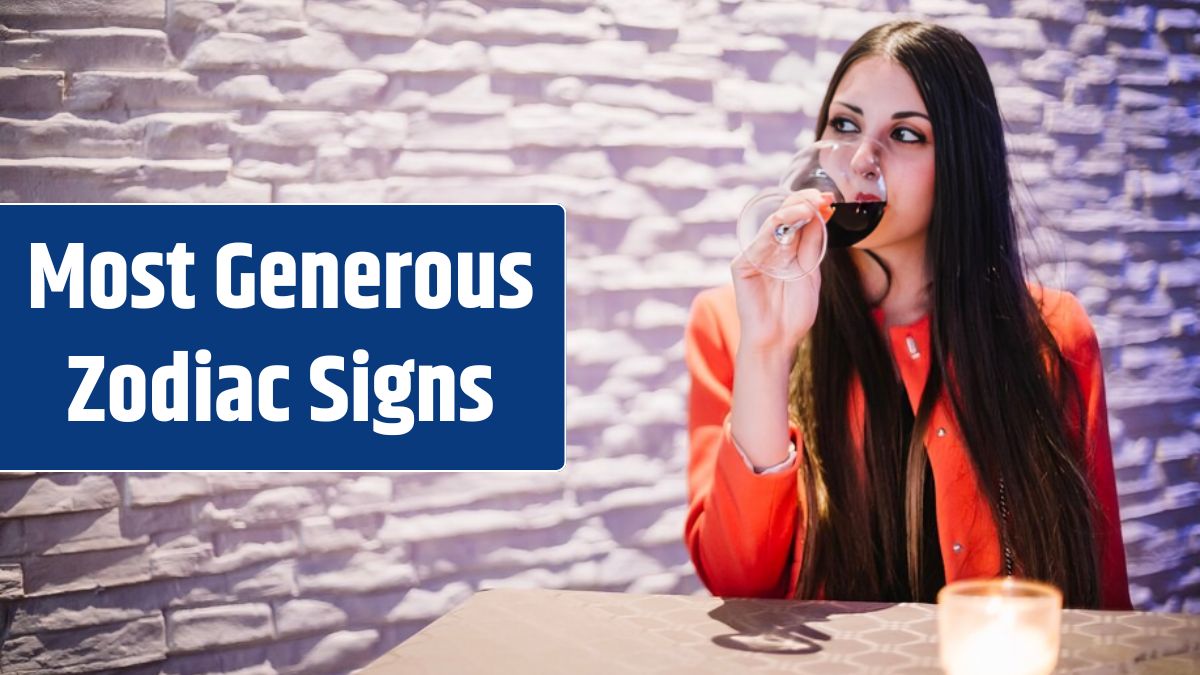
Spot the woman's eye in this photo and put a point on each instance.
(907, 136)
(843, 125)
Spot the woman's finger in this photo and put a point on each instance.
(777, 240)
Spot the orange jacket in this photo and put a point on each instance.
(744, 531)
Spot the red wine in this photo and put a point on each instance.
(851, 222)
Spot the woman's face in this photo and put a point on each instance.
(878, 99)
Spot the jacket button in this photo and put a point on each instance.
(957, 547)
(941, 431)
(913, 351)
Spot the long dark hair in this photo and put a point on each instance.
(1006, 378)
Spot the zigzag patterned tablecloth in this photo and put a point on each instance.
(584, 632)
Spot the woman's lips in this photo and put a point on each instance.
(867, 197)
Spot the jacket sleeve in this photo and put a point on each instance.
(1089, 371)
(740, 525)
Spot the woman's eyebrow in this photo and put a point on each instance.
(896, 116)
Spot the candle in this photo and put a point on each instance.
(999, 626)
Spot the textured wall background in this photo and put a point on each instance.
(651, 121)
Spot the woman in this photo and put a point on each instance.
(914, 412)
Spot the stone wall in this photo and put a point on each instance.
(651, 121)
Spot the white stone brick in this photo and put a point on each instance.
(64, 134)
(588, 347)
(667, 17)
(554, 126)
(646, 235)
(78, 532)
(96, 608)
(281, 504)
(241, 548)
(420, 603)
(361, 491)
(51, 574)
(615, 570)
(762, 97)
(242, 51)
(640, 96)
(376, 130)
(324, 654)
(677, 133)
(71, 179)
(272, 580)
(57, 493)
(1183, 68)
(301, 616)
(370, 17)
(88, 49)
(1177, 19)
(434, 163)
(674, 173)
(1053, 66)
(1146, 184)
(1068, 11)
(425, 56)
(473, 97)
(347, 89)
(947, 7)
(594, 59)
(114, 12)
(30, 90)
(1087, 38)
(229, 191)
(321, 534)
(180, 554)
(587, 164)
(12, 582)
(596, 410)
(486, 135)
(445, 24)
(341, 164)
(225, 481)
(194, 15)
(185, 135)
(1000, 33)
(247, 90)
(98, 90)
(274, 18)
(163, 488)
(1130, 17)
(1080, 119)
(421, 527)
(849, 24)
(1021, 104)
(654, 313)
(201, 628)
(292, 128)
(786, 19)
(104, 647)
(1097, 70)
(364, 191)
(12, 538)
(361, 572)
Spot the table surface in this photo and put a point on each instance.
(584, 632)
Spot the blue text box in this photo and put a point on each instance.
(522, 346)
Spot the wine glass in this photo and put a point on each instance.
(850, 173)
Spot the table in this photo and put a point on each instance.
(585, 632)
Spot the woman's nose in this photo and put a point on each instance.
(867, 160)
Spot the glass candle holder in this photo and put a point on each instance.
(1008, 625)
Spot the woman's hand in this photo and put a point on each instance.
(776, 314)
